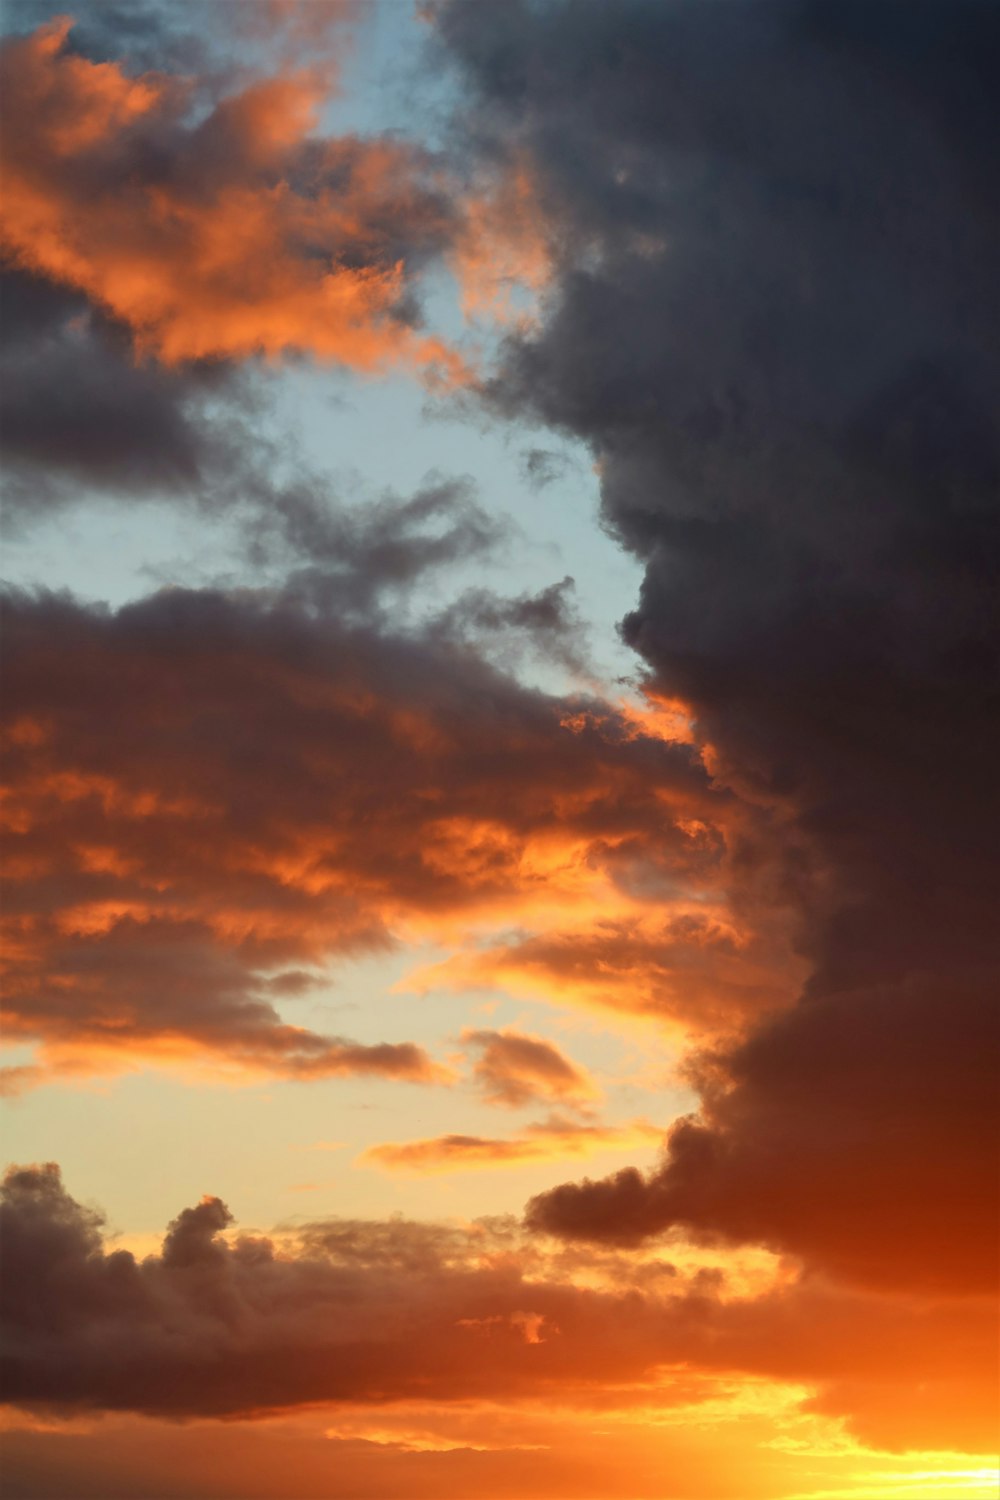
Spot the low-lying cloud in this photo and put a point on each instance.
(380, 1312)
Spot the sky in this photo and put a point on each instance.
(501, 644)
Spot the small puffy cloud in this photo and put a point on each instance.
(515, 1068)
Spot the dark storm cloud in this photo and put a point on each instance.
(857, 1132)
(776, 323)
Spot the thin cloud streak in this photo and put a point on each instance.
(550, 1140)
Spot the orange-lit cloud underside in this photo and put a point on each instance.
(168, 889)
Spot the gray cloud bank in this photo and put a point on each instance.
(775, 322)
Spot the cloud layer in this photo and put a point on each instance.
(169, 884)
(381, 1312)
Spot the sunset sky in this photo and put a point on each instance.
(500, 743)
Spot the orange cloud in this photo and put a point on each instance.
(552, 1140)
(371, 1314)
(514, 1069)
(222, 237)
(174, 885)
(698, 969)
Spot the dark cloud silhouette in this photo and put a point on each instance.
(826, 1133)
(374, 1312)
(776, 323)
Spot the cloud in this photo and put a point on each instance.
(547, 624)
(514, 1069)
(106, 988)
(172, 884)
(774, 322)
(360, 560)
(695, 971)
(786, 1152)
(220, 237)
(368, 1313)
(550, 1140)
(78, 413)
(541, 467)
(193, 39)
(176, 226)
(501, 258)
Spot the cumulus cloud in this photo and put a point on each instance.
(774, 322)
